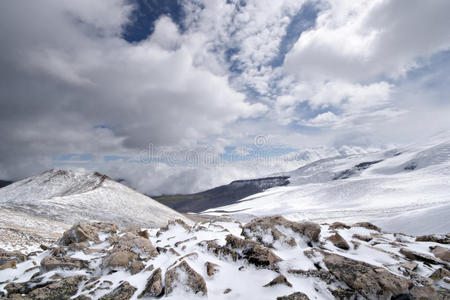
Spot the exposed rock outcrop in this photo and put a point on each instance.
(184, 277)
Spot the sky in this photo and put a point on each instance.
(176, 96)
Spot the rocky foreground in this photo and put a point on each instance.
(267, 258)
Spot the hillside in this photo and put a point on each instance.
(49, 202)
(391, 188)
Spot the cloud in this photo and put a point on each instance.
(362, 40)
(66, 70)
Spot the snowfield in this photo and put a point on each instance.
(404, 190)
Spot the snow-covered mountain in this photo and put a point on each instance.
(56, 197)
(405, 189)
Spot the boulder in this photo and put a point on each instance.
(258, 229)
(254, 253)
(370, 281)
(441, 252)
(9, 259)
(123, 292)
(339, 241)
(131, 242)
(294, 296)
(86, 232)
(364, 238)
(440, 274)
(413, 255)
(435, 238)
(339, 225)
(62, 289)
(154, 285)
(280, 279)
(172, 223)
(51, 262)
(220, 251)
(184, 277)
(367, 225)
(211, 268)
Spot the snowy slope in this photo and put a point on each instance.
(380, 186)
(68, 197)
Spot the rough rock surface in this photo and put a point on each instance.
(367, 225)
(254, 253)
(184, 277)
(123, 292)
(86, 232)
(441, 252)
(62, 289)
(136, 244)
(211, 268)
(280, 279)
(294, 296)
(259, 227)
(339, 241)
(441, 239)
(154, 285)
(54, 262)
(368, 280)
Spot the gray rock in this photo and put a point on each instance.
(63, 289)
(259, 227)
(413, 255)
(364, 238)
(441, 239)
(254, 253)
(294, 296)
(51, 262)
(86, 232)
(368, 280)
(339, 225)
(280, 279)
(184, 277)
(134, 243)
(339, 241)
(441, 252)
(154, 285)
(367, 225)
(123, 292)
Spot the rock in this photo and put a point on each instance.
(339, 225)
(123, 292)
(280, 279)
(136, 266)
(227, 290)
(8, 265)
(79, 246)
(258, 228)
(172, 223)
(218, 250)
(364, 238)
(254, 253)
(441, 239)
(211, 268)
(51, 262)
(144, 234)
(134, 243)
(154, 286)
(186, 240)
(367, 225)
(321, 274)
(82, 297)
(184, 277)
(86, 232)
(63, 289)
(423, 293)
(441, 252)
(9, 259)
(413, 255)
(339, 241)
(294, 296)
(342, 294)
(368, 280)
(440, 274)
(409, 265)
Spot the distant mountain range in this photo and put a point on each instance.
(4, 183)
(222, 195)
